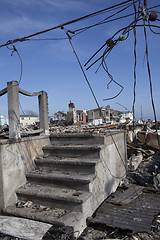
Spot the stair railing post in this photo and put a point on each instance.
(13, 110)
(43, 112)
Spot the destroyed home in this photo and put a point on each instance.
(75, 116)
(79, 180)
(27, 120)
(98, 116)
(59, 117)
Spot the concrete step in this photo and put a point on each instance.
(73, 165)
(73, 151)
(59, 218)
(61, 180)
(54, 197)
(76, 139)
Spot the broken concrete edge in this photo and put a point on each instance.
(86, 133)
(17, 158)
(150, 139)
(30, 138)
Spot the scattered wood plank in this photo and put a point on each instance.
(127, 196)
(137, 214)
(138, 150)
(23, 228)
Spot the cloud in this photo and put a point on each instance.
(22, 24)
(60, 5)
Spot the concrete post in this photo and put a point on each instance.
(13, 110)
(43, 111)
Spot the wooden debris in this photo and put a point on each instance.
(136, 215)
(23, 228)
(127, 196)
(137, 149)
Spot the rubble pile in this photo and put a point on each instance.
(143, 170)
(80, 129)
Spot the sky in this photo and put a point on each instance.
(51, 65)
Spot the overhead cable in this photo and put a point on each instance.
(64, 24)
(105, 20)
(150, 81)
(69, 38)
(135, 63)
(112, 80)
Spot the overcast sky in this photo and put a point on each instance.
(51, 65)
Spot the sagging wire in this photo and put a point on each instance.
(112, 80)
(135, 62)
(146, 18)
(70, 38)
(150, 81)
(135, 78)
(111, 43)
(14, 49)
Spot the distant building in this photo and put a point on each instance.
(98, 116)
(80, 117)
(106, 114)
(26, 120)
(75, 116)
(3, 120)
(58, 117)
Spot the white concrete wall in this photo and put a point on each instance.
(16, 158)
(111, 169)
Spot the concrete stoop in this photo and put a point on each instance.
(70, 181)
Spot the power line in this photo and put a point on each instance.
(64, 24)
(135, 63)
(112, 80)
(104, 20)
(45, 39)
(69, 38)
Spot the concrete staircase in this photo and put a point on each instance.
(69, 182)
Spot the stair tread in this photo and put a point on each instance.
(71, 146)
(53, 216)
(54, 193)
(51, 174)
(77, 134)
(51, 159)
